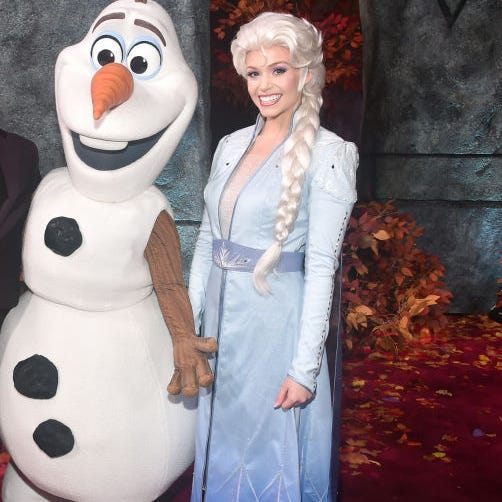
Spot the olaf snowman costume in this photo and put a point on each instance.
(86, 356)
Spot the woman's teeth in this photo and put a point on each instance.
(269, 100)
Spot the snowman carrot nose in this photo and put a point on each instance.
(111, 86)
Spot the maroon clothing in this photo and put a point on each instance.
(19, 176)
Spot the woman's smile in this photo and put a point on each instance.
(273, 84)
(270, 99)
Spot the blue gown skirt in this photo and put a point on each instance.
(245, 449)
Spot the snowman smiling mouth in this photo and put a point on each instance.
(105, 155)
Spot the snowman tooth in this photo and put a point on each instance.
(102, 144)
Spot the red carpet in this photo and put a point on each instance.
(427, 427)
(424, 427)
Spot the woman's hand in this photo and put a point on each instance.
(291, 394)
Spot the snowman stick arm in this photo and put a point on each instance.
(163, 254)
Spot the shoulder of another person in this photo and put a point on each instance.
(13, 140)
(19, 156)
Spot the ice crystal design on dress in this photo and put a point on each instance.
(226, 259)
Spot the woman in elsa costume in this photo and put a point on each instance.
(277, 204)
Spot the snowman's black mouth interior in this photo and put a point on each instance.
(110, 160)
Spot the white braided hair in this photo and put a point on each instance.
(305, 49)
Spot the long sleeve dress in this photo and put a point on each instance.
(245, 449)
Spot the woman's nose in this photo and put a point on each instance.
(265, 82)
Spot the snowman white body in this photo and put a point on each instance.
(94, 315)
(91, 315)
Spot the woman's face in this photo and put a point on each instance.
(272, 82)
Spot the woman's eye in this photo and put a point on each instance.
(279, 71)
(144, 60)
(106, 49)
(252, 74)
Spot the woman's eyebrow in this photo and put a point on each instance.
(268, 65)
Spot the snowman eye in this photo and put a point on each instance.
(144, 59)
(106, 49)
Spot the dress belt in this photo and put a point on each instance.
(228, 255)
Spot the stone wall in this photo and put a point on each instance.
(32, 33)
(432, 131)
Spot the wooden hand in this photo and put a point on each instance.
(163, 254)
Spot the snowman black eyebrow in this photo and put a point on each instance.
(151, 27)
(113, 15)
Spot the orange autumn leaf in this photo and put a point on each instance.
(483, 359)
(354, 458)
(358, 382)
(382, 235)
(399, 278)
(363, 309)
(444, 392)
(405, 333)
(406, 271)
(403, 323)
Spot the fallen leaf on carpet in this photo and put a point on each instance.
(447, 437)
(444, 392)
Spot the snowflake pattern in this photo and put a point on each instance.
(228, 260)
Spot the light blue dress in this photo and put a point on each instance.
(245, 449)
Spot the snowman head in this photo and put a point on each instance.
(124, 98)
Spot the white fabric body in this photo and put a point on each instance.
(93, 313)
(131, 440)
(95, 317)
(109, 270)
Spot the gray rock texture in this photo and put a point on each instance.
(432, 131)
(32, 33)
